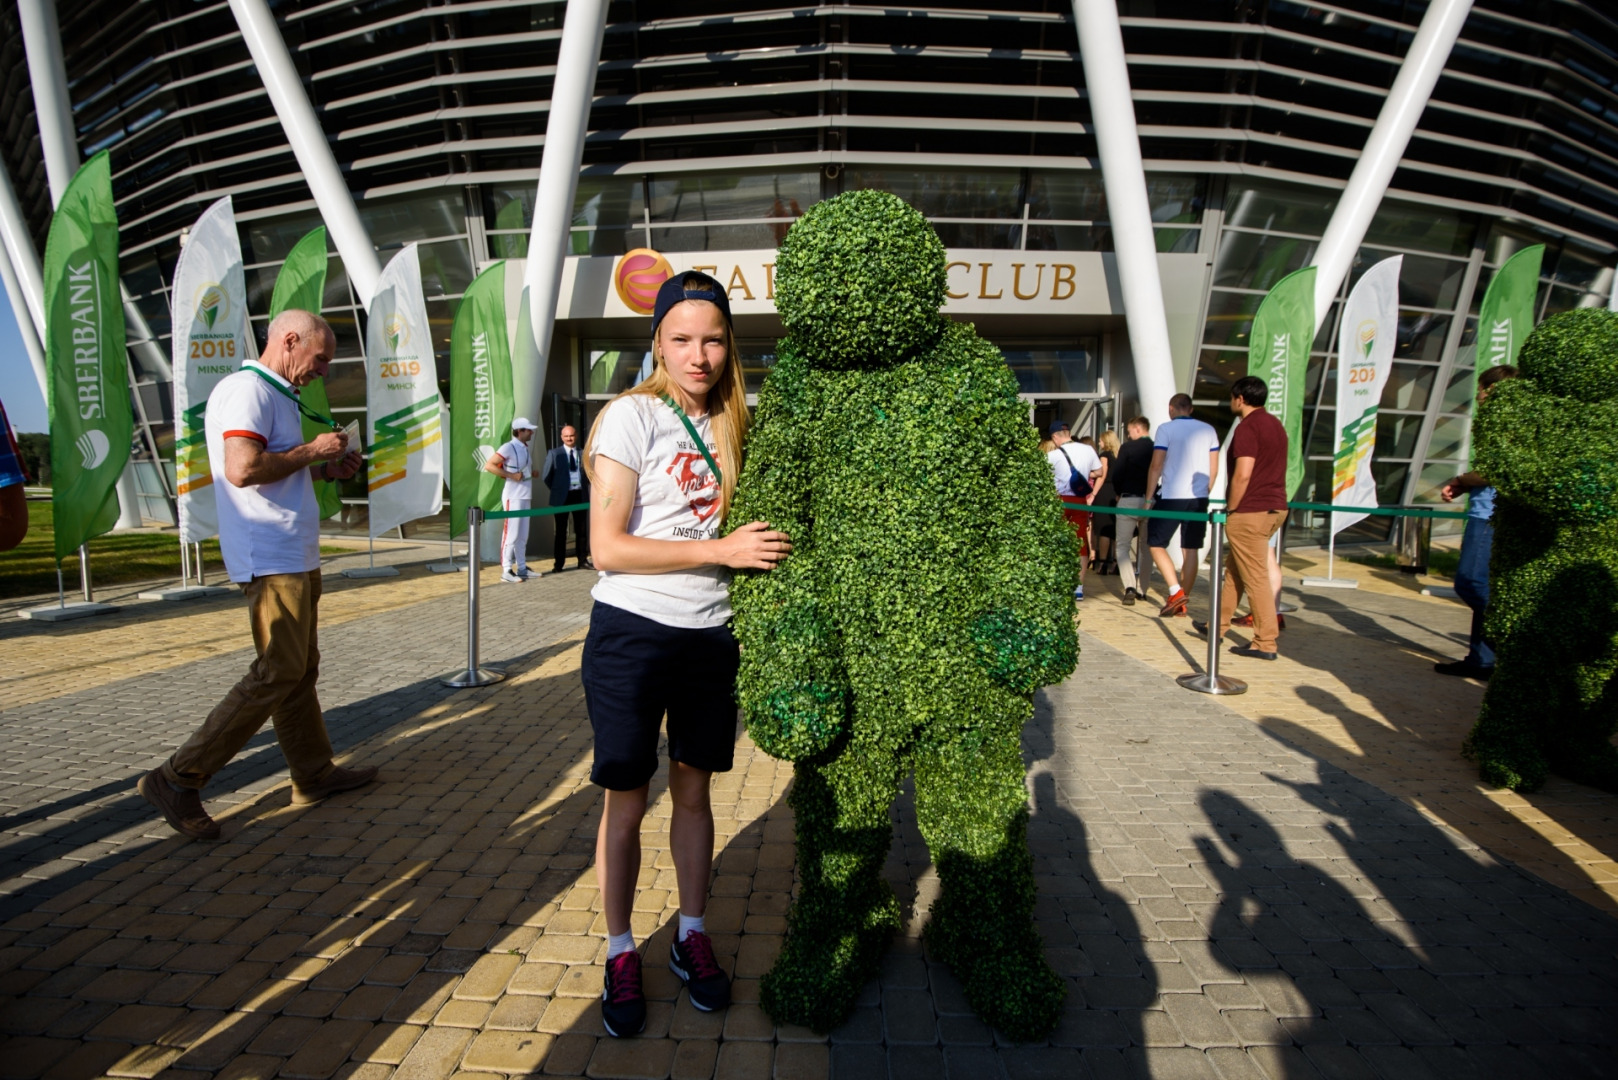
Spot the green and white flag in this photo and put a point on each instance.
(301, 284)
(211, 339)
(481, 405)
(405, 479)
(1365, 341)
(1278, 353)
(1507, 313)
(90, 415)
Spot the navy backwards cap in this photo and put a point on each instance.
(1060, 425)
(702, 287)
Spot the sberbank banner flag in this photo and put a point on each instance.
(301, 284)
(211, 339)
(90, 416)
(405, 478)
(1278, 353)
(481, 404)
(1365, 341)
(1507, 313)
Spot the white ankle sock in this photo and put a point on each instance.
(689, 923)
(618, 944)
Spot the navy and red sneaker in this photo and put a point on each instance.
(693, 961)
(623, 1004)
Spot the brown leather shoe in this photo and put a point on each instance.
(336, 779)
(180, 807)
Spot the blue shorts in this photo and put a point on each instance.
(1192, 533)
(635, 670)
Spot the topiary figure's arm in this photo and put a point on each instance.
(792, 687)
(1023, 635)
(1550, 454)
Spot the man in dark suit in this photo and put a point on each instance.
(564, 476)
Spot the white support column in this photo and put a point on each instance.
(583, 26)
(1368, 183)
(47, 77)
(25, 322)
(24, 257)
(53, 108)
(1112, 112)
(309, 145)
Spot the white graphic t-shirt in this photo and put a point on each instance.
(676, 498)
(263, 528)
(517, 457)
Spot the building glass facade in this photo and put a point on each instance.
(716, 123)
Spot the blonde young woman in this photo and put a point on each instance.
(1105, 526)
(664, 458)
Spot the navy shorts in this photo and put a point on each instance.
(636, 670)
(1192, 533)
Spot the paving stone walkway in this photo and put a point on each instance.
(1222, 902)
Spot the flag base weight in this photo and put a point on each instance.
(1441, 590)
(371, 571)
(62, 613)
(473, 677)
(1204, 683)
(446, 568)
(190, 592)
(1330, 583)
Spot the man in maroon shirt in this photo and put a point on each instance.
(1257, 505)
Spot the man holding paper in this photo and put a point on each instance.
(269, 534)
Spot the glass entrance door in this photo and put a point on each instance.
(1085, 414)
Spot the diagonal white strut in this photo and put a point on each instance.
(1368, 183)
(309, 145)
(579, 54)
(1123, 175)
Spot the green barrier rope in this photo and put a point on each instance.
(1141, 511)
(1379, 511)
(534, 511)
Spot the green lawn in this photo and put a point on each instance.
(30, 568)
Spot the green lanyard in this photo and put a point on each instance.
(719, 477)
(288, 394)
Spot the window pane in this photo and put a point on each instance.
(1421, 228)
(1256, 261)
(1449, 436)
(732, 196)
(1054, 371)
(947, 192)
(1408, 387)
(1069, 238)
(1230, 318)
(1279, 208)
(1396, 435)
(611, 368)
(1421, 336)
(1066, 196)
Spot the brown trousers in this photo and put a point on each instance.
(1248, 537)
(283, 609)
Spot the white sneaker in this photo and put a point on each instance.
(511, 576)
(524, 573)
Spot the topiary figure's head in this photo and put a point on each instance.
(859, 282)
(1574, 354)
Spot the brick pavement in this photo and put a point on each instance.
(1224, 903)
(1355, 686)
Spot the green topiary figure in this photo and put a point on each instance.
(1546, 442)
(928, 595)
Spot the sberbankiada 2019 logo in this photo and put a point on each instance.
(212, 304)
(1367, 337)
(397, 332)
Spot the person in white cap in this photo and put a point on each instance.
(514, 462)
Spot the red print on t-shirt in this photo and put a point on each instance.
(689, 481)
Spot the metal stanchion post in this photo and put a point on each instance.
(84, 573)
(473, 675)
(1210, 681)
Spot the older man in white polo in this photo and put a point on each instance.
(269, 533)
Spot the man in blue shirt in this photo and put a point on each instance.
(1477, 544)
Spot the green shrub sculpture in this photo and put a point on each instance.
(928, 595)
(1546, 441)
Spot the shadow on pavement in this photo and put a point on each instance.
(348, 725)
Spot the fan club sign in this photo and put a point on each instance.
(975, 280)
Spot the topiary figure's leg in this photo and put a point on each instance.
(972, 807)
(844, 914)
(1505, 740)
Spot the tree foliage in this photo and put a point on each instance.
(928, 595)
(1546, 441)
